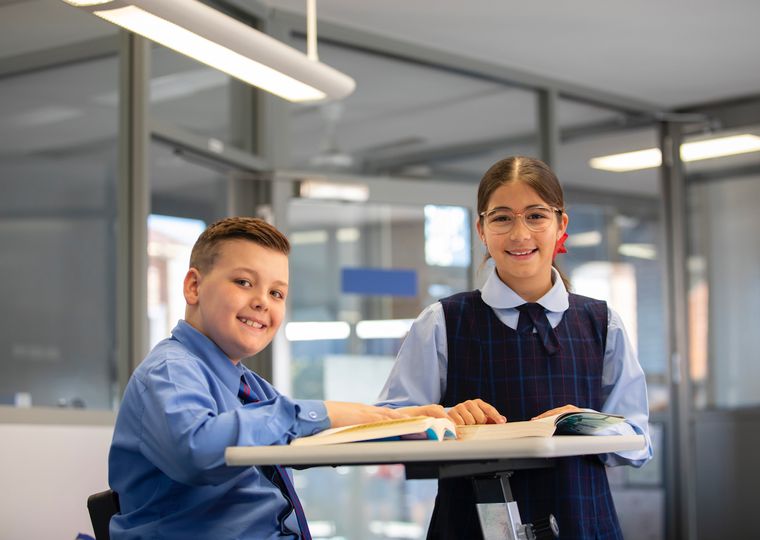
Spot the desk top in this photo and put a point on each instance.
(428, 451)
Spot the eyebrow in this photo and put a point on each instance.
(512, 209)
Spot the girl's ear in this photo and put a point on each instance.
(191, 285)
(564, 220)
(481, 234)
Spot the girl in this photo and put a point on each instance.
(522, 347)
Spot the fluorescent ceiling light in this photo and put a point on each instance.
(316, 331)
(217, 40)
(383, 329)
(301, 238)
(690, 151)
(317, 189)
(640, 251)
(584, 239)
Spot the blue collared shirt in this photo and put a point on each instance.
(419, 374)
(179, 413)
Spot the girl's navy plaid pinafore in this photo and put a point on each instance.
(510, 370)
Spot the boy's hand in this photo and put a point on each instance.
(475, 411)
(558, 410)
(436, 411)
(343, 413)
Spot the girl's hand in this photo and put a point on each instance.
(558, 410)
(475, 411)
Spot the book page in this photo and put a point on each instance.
(417, 427)
(511, 430)
(585, 422)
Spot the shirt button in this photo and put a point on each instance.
(313, 415)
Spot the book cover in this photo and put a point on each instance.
(584, 422)
(415, 428)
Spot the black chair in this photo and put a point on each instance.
(102, 506)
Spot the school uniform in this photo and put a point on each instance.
(184, 404)
(479, 345)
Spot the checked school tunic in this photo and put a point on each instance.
(511, 370)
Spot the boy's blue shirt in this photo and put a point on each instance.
(179, 413)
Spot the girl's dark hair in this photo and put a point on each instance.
(534, 173)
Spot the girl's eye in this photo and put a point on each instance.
(278, 294)
(501, 218)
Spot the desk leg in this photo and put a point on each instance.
(497, 509)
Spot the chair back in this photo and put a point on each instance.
(102, 506)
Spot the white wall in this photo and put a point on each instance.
(46, 474)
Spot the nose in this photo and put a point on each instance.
(259, 300)
(519, 228)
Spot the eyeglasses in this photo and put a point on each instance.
(535, 218)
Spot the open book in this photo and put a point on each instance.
(584, 422)
(414, 427)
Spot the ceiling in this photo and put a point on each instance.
(671, 54)
(408, 119)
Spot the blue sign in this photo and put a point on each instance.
(379, 281)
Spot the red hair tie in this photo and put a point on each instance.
(560, 247)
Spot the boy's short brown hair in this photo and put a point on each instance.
(255, 230)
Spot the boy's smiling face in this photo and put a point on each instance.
(239, 303)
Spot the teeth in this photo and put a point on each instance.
(521, 252)
(252, 323)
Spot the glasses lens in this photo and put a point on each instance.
(535, 219)
(500, 220)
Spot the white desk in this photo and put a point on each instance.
(488, 463)
(430, 451)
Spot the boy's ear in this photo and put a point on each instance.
(191, 285)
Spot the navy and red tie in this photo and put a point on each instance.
(280, 476)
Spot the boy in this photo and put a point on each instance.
(192, 397)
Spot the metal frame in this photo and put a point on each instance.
(680, 498)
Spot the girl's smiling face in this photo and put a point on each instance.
(523, 257)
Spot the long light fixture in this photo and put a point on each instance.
(383, 329)
(217, 40)
(317, 330)
(690, 151)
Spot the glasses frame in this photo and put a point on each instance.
(520, 215)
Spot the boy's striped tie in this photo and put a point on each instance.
(280, 476)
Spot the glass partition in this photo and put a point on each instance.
(413, 120)
(724, 284)
(615, 254)
(58, 166)
(359, 274)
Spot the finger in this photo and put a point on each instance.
(435, 411)
(493, 416)
(474, 408)
(556, 410)
(455, 417)
(467, 418)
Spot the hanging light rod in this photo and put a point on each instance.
(217, 40)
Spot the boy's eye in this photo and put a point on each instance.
(243, 282)
(278, 294)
